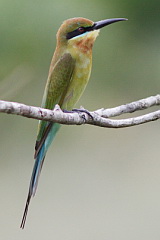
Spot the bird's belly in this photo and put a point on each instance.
(78, 83)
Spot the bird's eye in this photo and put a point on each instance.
(81, 30)
(76, 32)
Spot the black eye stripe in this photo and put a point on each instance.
(78, 32)
(75, 33)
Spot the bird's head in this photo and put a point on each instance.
(81, 32)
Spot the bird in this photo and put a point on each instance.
(68, 76)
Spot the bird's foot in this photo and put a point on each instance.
(83, 111)
(79, 111)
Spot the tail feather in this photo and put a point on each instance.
(39, 160)
(33, 183)
(25, 211)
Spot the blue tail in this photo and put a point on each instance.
(39, 159)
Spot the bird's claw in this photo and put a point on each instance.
(79, 111)
(83, 111)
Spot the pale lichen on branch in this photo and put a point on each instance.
(99, 117)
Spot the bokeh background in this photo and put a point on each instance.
(96, 183)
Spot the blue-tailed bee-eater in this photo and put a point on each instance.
(68, 76)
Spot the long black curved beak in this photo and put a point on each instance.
(103, 23)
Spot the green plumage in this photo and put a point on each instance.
(68, 76)
(56, 87)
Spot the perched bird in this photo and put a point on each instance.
(68, 76)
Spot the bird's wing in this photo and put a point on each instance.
(56, 87)
(55, 90)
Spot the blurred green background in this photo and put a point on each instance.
(96, 183)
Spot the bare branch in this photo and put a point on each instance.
(130, 107)
(98, 117)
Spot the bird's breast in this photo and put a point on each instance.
(79, 79)
(83, 66)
